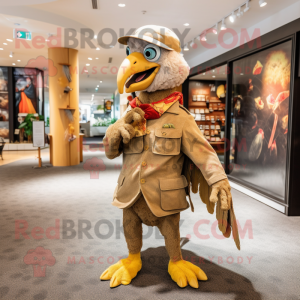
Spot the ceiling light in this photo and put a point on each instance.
(1, 48)
(13, 64)
(214, 76)
(18, 60)
(193, 44)
(121, 5)
(87, 65)
(96, 89)
(4, 43)
(9, 40)
(203, 73)
(215, 29)
(186, 24)
(186, 48)
(262, 3)
(213, 70)
(11, 54)
(240, 12)
(232, 17)
(97, 58)
(95, 36)
(97, 48)
(90, 58)
(223, 26)
(242, 74)
(247, 7)
(203, 37)
(93, 95)
(98, 85)
(100, 81)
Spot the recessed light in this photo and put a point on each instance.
(186, 24)
(1, 48)
(87, 64)
(100, 81)
(97, 58)
(121, 5)
(242, 74)
(214, 76)
(95, 36)
(18, 60)
(97, 48)
(96, 89)
(203, 73)
(90, 58)
(4, 43)
(98, 85)
(13, 64)
(9, 40)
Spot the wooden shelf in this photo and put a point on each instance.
(67, 108)
(216, 143)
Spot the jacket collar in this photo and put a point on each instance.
(174, 109)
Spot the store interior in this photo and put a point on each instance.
(206, 102)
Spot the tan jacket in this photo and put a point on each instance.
(152, 163)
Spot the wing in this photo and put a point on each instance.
(196, 182)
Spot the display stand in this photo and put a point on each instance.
(38, 134)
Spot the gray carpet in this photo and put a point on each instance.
(41, 196)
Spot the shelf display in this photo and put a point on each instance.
(207, 104)
(4, 104)
(260, 108)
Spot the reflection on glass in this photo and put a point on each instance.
(260, 105)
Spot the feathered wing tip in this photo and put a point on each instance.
(226, 218)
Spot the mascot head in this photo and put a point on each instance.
(153, 61)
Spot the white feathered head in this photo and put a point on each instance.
(153, 61)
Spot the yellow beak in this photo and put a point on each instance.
(141, 72)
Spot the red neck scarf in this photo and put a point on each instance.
(154, 110)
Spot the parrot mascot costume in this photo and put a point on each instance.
(165, 155)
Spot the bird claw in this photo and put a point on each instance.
(123, 271)
(184, 273)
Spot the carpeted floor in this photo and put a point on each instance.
(267, 267)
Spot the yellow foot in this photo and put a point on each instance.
(123, 271)
(183, 273)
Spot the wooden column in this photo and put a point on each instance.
(64, 153)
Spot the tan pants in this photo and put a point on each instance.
(139, 213)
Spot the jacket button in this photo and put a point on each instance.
(143, 180)
(148, 131)
(144, 164)
(146, 148)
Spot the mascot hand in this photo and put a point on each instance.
(221, 191)
(126, 130)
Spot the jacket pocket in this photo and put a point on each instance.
(136, 145)
(173, 195)
(167, 141)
